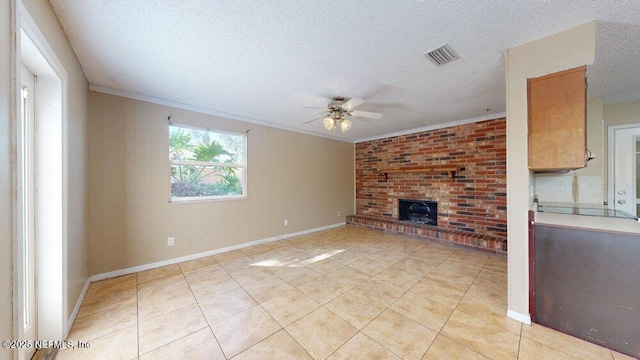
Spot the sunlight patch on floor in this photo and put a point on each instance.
(296, 262)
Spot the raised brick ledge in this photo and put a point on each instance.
(481, 242)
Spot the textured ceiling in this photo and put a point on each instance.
(615, 73)
(265, 60)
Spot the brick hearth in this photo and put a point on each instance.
(485, 243)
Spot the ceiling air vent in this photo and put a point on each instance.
(442, 55)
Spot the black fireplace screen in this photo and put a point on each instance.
(418, 211)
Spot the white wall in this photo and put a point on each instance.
(566, 50)
(6, 220)
(77, 255)
(77, 145)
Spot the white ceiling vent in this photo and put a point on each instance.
(442, 55)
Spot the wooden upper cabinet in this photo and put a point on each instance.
(557, 121)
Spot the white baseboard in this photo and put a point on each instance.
(158, 264)
(523, 318)
(76, 308)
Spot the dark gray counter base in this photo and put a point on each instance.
(587, 284)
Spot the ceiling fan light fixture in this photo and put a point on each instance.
(345, 125)
(328, 123)
(337, 112)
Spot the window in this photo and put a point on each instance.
(206, 164)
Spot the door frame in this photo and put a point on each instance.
(26, 198)
(51, 262)
(611, 160)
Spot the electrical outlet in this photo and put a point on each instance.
(171, 241)
(286, 222)
(339, 213)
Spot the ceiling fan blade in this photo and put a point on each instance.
(315, 118)
(366, 114)
(352, 104)
(313, 107)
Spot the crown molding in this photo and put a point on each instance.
(203, 110)
(435, 127)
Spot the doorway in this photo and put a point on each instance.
(39, 179)
(624, 148)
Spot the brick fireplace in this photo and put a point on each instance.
(418, 211)
(471, 199)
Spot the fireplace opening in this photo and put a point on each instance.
(418, 211)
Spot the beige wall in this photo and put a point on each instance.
(6, 248)
(568, 49)
(594, 138)
(77, 245)
(302, 178)
(621, 113)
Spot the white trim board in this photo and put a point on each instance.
(177, 260)
(523, 318)
(76, 308)
(436, 126)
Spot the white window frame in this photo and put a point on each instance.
(242, 165)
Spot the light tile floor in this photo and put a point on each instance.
(344, 293)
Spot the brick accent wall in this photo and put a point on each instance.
(475, 202)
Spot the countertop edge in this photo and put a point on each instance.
(609, 224)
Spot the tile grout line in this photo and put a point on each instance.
(260, 304)
(100, 312)
(390, 247)
(281, 326)
(519, 343)
(358, 330)
(196, 301)
(424, 276)
(562, 350)
(454, 310)
(327, 309)
(182, 307)
(321, 306)
(137, 316)
(386, 308)
(200, 307)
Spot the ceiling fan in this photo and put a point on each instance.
(337, 111)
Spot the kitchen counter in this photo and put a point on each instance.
(586, 282)
(586, 216)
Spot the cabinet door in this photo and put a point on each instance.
(557, 121)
